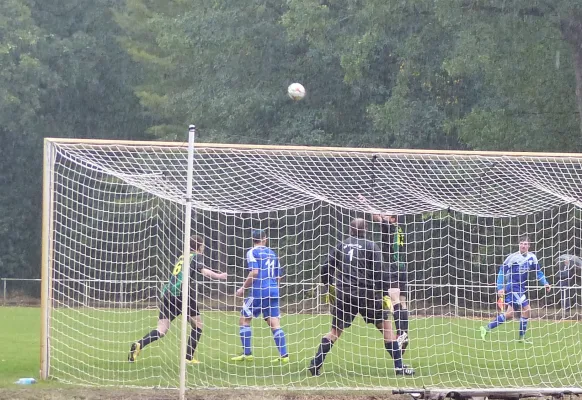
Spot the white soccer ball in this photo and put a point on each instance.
(296, 91)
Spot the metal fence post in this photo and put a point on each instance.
(85, 293)
(456, 300)
(4, 290)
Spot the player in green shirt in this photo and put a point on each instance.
(171, 302)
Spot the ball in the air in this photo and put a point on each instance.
(296, 91)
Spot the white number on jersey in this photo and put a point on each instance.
(351, 254)
(270, 263)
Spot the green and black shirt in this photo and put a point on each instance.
(174, 284)
(393, 244)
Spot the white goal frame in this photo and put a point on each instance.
(48, 198)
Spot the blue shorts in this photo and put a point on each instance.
(268, 306)
(516, 300)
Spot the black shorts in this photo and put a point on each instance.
(390, 275)
(347, 306)
(403, 282)
(171, 306)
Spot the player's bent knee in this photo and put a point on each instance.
(273, 322)
(163, 327)
(334, 334)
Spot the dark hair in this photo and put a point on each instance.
(358, 227)
(195, 242)
(524, 238)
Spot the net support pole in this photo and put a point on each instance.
(46, 269)
(186, 261)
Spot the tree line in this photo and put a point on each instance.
(459, 74)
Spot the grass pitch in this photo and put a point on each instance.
(89, 347)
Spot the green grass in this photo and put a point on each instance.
(19, 344)
(86, 349)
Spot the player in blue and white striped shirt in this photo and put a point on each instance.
(511, 285)
(264, 276)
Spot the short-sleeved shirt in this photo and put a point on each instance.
(355, 266)
(266, 284)
(174, 284)
(393, 244)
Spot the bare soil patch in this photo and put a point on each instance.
(222, 394)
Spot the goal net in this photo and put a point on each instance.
(114, 218)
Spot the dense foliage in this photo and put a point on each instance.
(458, 74)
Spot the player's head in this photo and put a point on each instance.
(393, 219)
(358, 227)
(197, 243)
(524, 244)
(259, 236)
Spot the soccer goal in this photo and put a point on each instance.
(116, 215)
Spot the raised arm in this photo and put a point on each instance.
(365, 202)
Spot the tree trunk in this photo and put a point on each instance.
(571, 29)
(577, 54)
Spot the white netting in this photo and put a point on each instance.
(117, 218)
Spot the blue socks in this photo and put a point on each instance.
(278, 335)
(522, 326)
(245, 338)
(501, 319)
(496, 322)
(280, 341)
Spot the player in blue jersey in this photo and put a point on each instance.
(263, 279)
(511, 285)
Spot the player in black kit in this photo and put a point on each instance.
(355, 267)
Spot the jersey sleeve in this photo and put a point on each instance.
(252, 262)
(327, 270)
(400, 239)
(500, 278)
(538, 269)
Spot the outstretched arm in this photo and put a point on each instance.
(213, 275)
